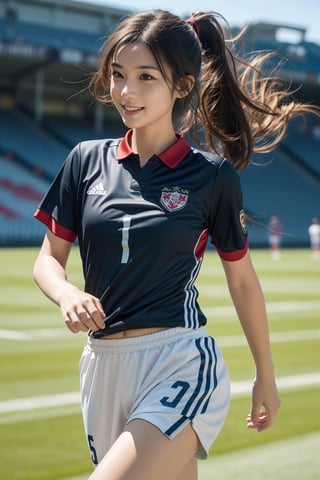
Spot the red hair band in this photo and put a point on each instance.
(195, 25)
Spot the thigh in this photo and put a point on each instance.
(142, 452)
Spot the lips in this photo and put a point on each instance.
(130, 109)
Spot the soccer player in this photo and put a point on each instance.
(314, 235)
(154, 385)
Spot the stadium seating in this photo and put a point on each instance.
(274, 185)
(73, 131)
(49, 36)
(42, 153)
(20, 193)
(303, 143)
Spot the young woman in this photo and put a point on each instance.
(154, 385)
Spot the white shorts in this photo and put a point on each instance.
(168, 378)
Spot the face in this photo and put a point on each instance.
(139, 91)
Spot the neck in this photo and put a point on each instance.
(148, 145)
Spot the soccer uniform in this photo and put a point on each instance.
(142, 235)
(143, 231)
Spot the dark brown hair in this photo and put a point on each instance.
(238, 108)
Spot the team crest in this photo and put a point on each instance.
(174, 198)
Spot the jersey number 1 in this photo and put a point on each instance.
(126, 221)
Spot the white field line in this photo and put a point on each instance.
(44, 401)
(31, 335)
(272, 308)
(238, 389)
(275, 337)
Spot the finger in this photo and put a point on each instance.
(75, 322)
(92, 319)
(97, 315)
(75, 326)
(252, 423)
(99, 307)
(266, 421)
(87, 320)
(255, 417)
(254, 414)
(70, 325)
(261, 423)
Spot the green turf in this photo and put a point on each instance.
(39, 357)
(296, 458)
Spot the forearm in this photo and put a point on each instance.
(49, 270)
(51, 278)
(80, 310)
(249, 303)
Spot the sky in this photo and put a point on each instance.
(296, 13)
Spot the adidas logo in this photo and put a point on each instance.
(97, 190)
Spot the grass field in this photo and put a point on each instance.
(41, 434)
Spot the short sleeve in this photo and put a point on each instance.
(58, 209)
(227, 225)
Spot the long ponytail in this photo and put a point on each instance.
(241, 110)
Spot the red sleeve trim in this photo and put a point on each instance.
(235, 255)
(201, 244)
(55, 227)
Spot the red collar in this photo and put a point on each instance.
(171, 157)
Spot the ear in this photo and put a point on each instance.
(185, 86)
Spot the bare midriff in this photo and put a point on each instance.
(133, 333)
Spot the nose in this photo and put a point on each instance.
(128, 89)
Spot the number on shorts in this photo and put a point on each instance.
(125, 238)
(183, 386)
(94, 456)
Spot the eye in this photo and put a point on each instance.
(146, 76)
(116, 74)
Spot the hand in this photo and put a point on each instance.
(81, 311)
(265, 405)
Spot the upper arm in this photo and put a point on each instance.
(239, 272)
(55, 247)
(226, 221)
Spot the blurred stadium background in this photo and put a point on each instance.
(48, 48)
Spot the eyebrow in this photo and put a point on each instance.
(139, 67)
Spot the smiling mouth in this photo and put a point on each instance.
(128, 109)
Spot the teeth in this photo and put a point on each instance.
(132, 109)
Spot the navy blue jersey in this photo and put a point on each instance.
(142, 232)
